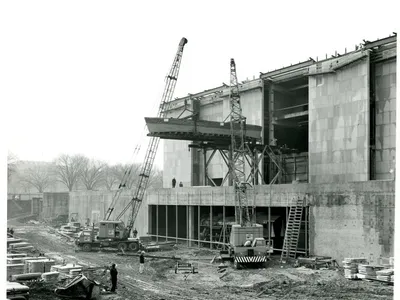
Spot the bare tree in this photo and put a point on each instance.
(69, 169)
(92, 173)
(39, 177)
(12, 160)
(109, 177)
(156, 178)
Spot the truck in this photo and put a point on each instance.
(247, 247)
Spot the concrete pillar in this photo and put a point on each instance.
(176, 223)
(191, 224)
(223, 226)
(166, 222)
(198, 225)
(150, 219)
(157, 222)
(211, 231)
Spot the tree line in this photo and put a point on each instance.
(74, 170)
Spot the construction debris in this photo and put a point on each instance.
(79, 287)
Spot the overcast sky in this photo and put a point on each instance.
(80, 76)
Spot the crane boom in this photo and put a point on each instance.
(146, 168)
(237, 163)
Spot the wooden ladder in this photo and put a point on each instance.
(292, 233)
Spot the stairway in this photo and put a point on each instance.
(289, 248)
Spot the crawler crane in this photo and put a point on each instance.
(114, 233)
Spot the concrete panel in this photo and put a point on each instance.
(385, 102)
(347, 130)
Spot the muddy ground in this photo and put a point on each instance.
(159, 280)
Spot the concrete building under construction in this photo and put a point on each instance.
(322, 131)
(326, 134)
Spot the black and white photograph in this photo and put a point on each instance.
(162, 150)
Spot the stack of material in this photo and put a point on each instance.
(41, 266)
(13, 241)
(14, 270)
(368, 271)
(350, 266)
(13, 261)
(385, 275)
(50, 276)
(75, 272)
(19, 245)
(65, 269)
(16, 255)
(25, 277)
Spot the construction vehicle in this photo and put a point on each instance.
(114, 233)
(247, 245)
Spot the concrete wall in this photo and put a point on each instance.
(346, 220)
(385, 114)
(55, 204)
(94, 204)
(339, 124)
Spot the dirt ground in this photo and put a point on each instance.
(159, 280)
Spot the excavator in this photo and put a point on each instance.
(114, 233)
(247, 246)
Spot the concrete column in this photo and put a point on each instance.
(150, 219)
(223, 225)
(176, 223)
(269, 224)
(198, 225)
(191, 224)
(157, 222)
(211, 220)
(271, 130)
(306, 229)
(166, 222)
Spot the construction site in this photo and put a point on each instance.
(278, 187)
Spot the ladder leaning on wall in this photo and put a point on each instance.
(292, 233)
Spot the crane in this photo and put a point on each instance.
(114, 232)
(238, 150)
(247, 245)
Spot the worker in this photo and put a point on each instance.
(113, 273)
(12, 231)
(180, 184)
(134, 233)
(141, 261)
(173, 182)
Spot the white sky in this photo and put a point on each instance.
(80, 76)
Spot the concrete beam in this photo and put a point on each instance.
(287, 69)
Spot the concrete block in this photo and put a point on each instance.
(386, 117)
(386, 142)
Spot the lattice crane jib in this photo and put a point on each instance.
(147, 165)
(237, 163)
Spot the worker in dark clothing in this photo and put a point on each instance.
(113, 273)
(173, 182)
(141, 261)
(135, 233)
(180, 184)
